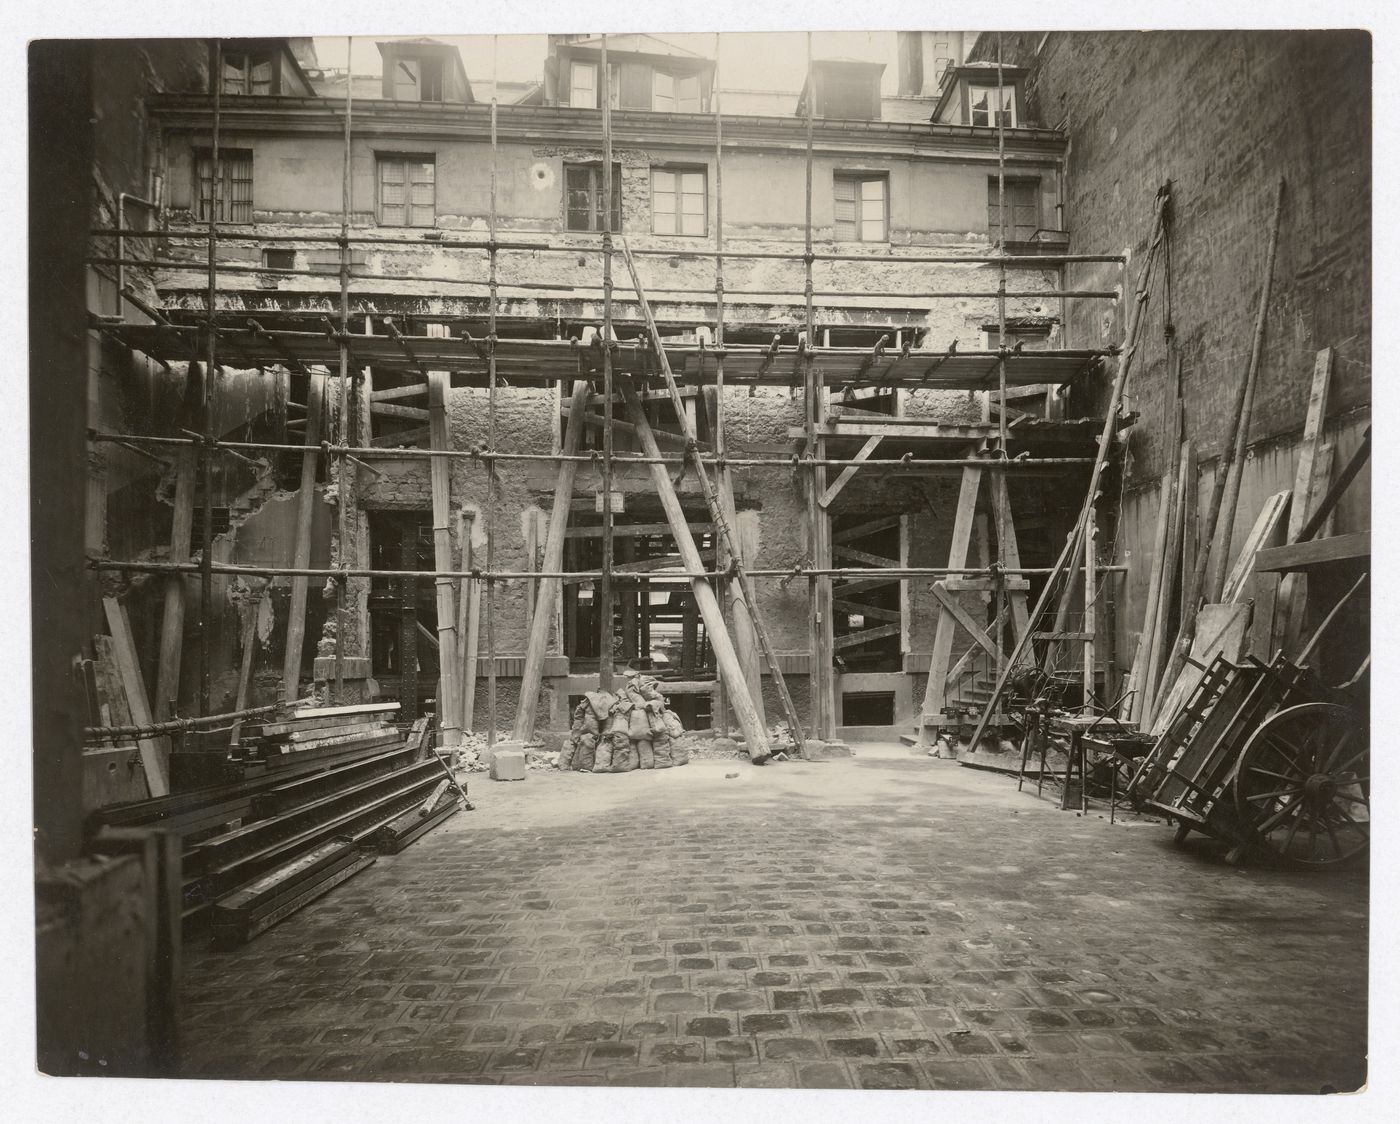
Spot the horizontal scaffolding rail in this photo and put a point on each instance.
(539, 361)
(594, 457)
(1030, 260)
(891, 573)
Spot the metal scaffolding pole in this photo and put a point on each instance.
(491, 433)
(605, 588)
(206, 404)
(343, 424)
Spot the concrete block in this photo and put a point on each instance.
(825, 751)
(508, 765)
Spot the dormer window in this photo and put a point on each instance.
(992, 106)
(248, 73)
(417, 79)
(671, 93)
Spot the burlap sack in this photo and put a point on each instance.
(646, 759)
(624, 755)
(619, 722)
(584, 749)
(661, 751)
(680, 752)
(603, 755)
(566, 756)
(637, 725)
(673, 724)
(656, 717)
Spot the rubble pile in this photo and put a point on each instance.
(632, 729)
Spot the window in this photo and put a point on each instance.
(678, 199)
(675, 94)
(418, 79)
(246, 73)
(235, 185)
(1022, 209)
(583, 85)
(861, 208)
(992, 105)
(279, 259)
(583, 197)
(407, 191)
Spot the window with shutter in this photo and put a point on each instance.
(678, 201)
(862, 211)
(1022, 209)
(232, 196)
(688, 95)
(408, 79)
(407, 191)
(663, 92)
(248, 73)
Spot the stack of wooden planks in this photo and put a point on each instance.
(324, 792)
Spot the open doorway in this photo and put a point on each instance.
(403, 611)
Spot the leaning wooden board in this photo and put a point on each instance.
(129, 669)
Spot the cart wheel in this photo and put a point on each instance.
(1303, 784)
(1183, 829)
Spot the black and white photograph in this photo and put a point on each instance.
(690, 556)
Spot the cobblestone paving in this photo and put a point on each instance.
(887, 922)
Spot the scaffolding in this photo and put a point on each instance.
(994, 447)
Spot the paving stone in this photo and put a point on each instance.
(719, 965)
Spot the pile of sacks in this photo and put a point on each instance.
(633, 729)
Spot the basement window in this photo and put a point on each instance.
(407, 190)
(678, 201)
(862, 208)
(992, 106)
(867, 708)
(583, 197)
(233, 201)
(1022, 209)
(279, 259)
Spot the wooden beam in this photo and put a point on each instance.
(935, 693)
(1309, 484)
(250, 646)
(953, 607)
(861, 530)
(1009, 550)
(727, 663)
(468, 619)
(172, 622)
(393, 393)
(301, 549)
(389, 410)
(879, 561)
(634, 530)
(866, 610)
(152, 750)
(1265, 529)
(1316, 552)
(864, 636)
(538, 644)
(663, 436)
(407, 438)
(848, 473)
(440, 475)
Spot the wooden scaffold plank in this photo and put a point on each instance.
(301, 550)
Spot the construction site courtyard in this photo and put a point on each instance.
(883, 921)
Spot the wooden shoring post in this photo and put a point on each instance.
(1009, 554)
(250, 646)
(726, 658)
(1163, 583)
(1074, 542)
(440, 474)
(935, 691)
(538, 645)
(206, 397)
(468, 619)
(820, 639)
(605, 582)
(491, 428)
(172, 623)
(1233, 467)
(152, 750)
(1309, 482)
(344, 493)
(740, 613)
(301, 549)
(724, 533)
(1208, 577)
(1091, 596)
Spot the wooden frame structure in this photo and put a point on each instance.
(981, 451)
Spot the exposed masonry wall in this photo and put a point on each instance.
(1223, 115)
